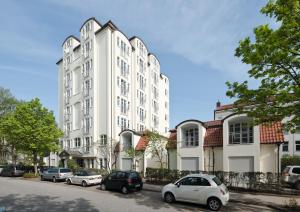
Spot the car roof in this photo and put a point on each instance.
(200, 175)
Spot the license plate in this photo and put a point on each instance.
(137, 185)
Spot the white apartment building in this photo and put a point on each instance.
(107, 84)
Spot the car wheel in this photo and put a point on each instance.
(54, 179)
(297, 185)
(214, 204)
(103, 187)
(124, 190)
(69, 182)
(84, 184)
(169, 197)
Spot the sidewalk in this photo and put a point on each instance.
(270, 200)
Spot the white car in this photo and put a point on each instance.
(85, 178)
(197, 188)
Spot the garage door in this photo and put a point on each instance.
(241, 164)
(126, 164)
(190, 163)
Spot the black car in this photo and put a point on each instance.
(11, 171)
(122, 181)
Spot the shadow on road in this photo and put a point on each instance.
(15, 202)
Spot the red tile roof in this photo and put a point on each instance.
(214, 133)
(172, 141)
(213, 123)
(141, 145)
(225, 107)
(271, 133)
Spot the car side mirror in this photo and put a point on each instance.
(178, 184)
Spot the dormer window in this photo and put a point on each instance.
(240, 133)
(191, 137)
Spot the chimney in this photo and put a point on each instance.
(218, 104)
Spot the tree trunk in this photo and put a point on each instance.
(35, 161)
(14, 157)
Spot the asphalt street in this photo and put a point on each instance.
(17, 194)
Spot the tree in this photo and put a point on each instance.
(7, 104)
(36, 130)
(274, 58)
(9, 130)
(136, 155)
(157, 147)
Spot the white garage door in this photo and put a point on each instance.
(241, 164)
(126, 163)
(190, 163)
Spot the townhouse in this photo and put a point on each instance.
(228, 143)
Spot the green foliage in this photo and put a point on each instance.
(72, 164)
(31, 128)
(274, 58)
(157, 146)
(30, 175)
(7, 105)
(288, 160)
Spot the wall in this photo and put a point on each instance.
(268, 158)
(230, 150)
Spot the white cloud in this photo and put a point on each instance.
(204, 32)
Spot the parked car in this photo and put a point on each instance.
(291, 175)
(56, 174)
(122, 181)
(85, 178)
(197, 188)
(11, 171)
(1, 168)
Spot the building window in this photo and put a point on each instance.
(87, 144)
(77, 142)
(297, 145)
(118, 101)
(240, 133)
(103, 139)
(191, 137)
(285, 146)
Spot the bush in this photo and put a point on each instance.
(30, 175)
(72, 165)
(288, 160)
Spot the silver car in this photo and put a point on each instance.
(56, 174)
(85, 178)
(291, 175)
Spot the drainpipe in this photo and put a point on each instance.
(278, 166)
(213, 159)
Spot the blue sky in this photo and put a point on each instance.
(194, 41)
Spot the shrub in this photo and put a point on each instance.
(288, 160)
(72, 165)
(30, 175)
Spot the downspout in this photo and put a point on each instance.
(111, 102)
(213, 158)
(278, 166)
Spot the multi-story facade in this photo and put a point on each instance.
(107, 83)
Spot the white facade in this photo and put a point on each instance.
(108, 83)
(229, 143)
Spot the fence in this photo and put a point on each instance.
(243, 180)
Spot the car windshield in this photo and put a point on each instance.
(65, 170)
(217, 181)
